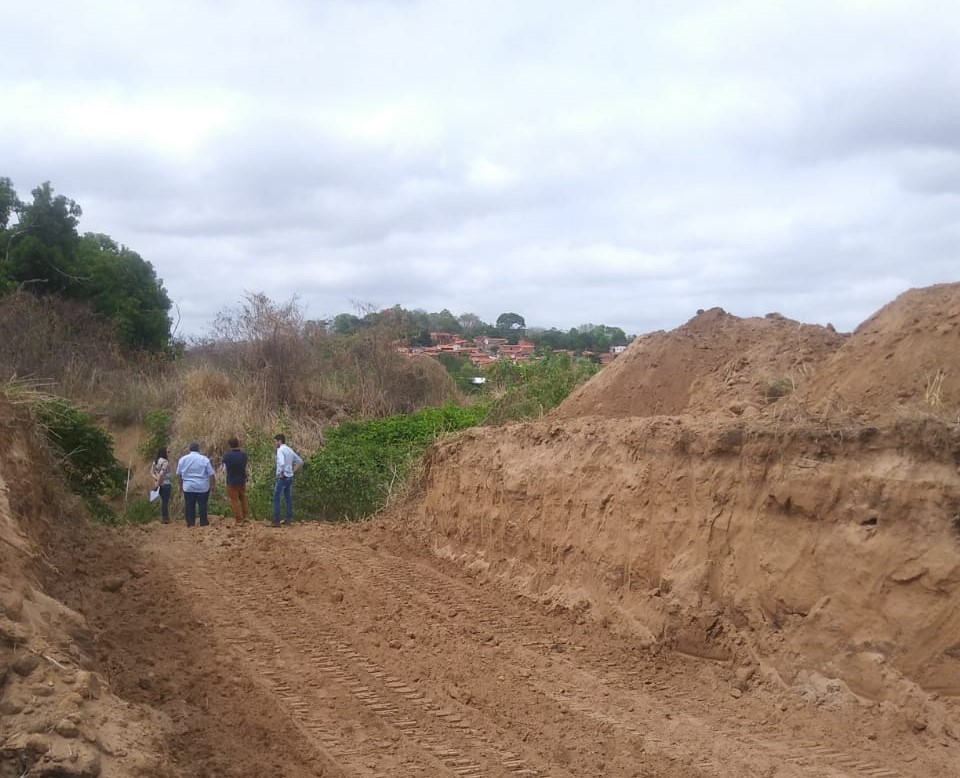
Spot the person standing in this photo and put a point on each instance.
(288, 461)
(235, 465)
(197, 480)
(160, 470)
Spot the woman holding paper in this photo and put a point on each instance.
(160, 470)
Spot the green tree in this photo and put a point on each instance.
(444, 322)
(470, 323)
(347, 324)
(9, 203)
(511, 322)
(125, 288)
(44, 254)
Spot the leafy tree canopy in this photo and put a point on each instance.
(507, 322)
(44, 253)
(9, 202)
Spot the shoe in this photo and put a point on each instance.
(274, 523)
(287, 523)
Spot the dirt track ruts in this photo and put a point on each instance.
(374, 660)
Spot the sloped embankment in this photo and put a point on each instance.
(755, 527)
(59, 716)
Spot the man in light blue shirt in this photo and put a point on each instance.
(288, 461)
(197, 480)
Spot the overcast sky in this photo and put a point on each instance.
(623, 163)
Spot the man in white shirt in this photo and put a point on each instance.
(197, 480)
(288, 461)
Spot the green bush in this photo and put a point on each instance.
(159, 423)
(141, 511)
(362, 463)
(219, 504)
(527, 390)
(89, 465)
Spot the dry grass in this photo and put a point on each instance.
(933, 394)
(17, 391)
(214, 406)
(65, 348)
(263, 372)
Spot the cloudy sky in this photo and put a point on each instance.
(617, 162)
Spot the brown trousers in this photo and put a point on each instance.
(238, 502)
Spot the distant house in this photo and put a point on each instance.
(521, 351)
(489, 344)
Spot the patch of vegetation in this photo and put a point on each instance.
(159, 424)
(89, 465)
(527, 390)
(363, 463)
(140, 511)
(777, 388)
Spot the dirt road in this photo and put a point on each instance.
(319, 650)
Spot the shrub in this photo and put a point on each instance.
(527, 390)
(140, 511)
(364, 462)
(777, 388)
(89, 465)
(159, 423)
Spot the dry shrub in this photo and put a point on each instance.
(133, 392)
(420, 382)
(263, 370)
(215, 406)
(74, 353)
(374, 380)
(265, 339)
(204, 384)
(56, 340)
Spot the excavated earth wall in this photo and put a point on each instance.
(739, 487)
(58, 716)
(825, 554)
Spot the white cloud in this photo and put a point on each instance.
(615, 162)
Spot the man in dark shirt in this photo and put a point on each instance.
(235, 463)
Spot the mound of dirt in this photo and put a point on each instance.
(714, 364)
(905, 359)
(701, 494)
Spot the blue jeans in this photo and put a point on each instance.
(285, 487)
(165, 502)
(194, 502)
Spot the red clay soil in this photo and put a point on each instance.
(735, 552)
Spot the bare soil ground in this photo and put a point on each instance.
(735, 552)
(318, 650)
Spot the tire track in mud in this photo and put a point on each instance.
(446, 744)
(806, 756)
(254, 651)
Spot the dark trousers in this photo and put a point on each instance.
(165, 502)
(193, 503)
